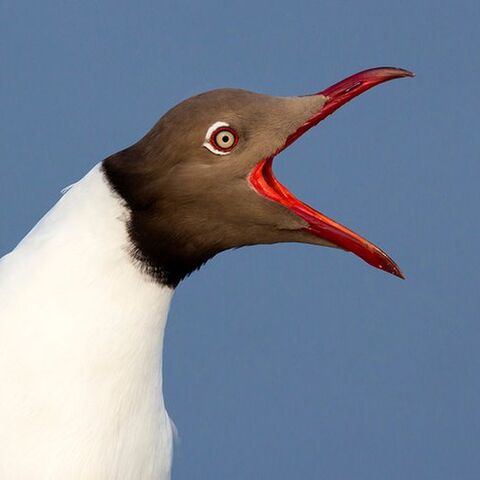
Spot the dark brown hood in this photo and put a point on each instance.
(190, 198)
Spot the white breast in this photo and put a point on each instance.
(81, 333)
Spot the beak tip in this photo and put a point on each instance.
(389, 72)
(388, 265)
(400, 274)
(408, 73)
(394, 270)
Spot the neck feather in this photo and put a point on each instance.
(170, 239)
(81, 335)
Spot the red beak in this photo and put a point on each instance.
(265, 183)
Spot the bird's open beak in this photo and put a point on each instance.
(264, 182)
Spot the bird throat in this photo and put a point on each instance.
(159, 246)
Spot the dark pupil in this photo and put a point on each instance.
(225, 139)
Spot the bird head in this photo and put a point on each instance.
(201, 181)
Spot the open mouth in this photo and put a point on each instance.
(264, 182)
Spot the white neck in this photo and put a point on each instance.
(81, 334)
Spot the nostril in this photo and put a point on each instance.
(353, 87)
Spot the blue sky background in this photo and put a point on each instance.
(287, 361)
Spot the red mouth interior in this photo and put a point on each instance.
(265, 183)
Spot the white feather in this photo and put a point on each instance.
(81, 335)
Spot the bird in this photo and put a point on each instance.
(84, 297)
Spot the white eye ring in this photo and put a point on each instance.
(220, 138)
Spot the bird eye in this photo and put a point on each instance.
(224, 139)
(220, 138)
